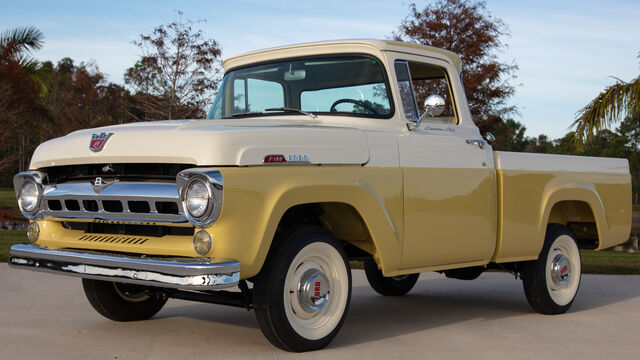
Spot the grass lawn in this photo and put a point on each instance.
(610, 262)
(636, 207)
(8, 199)
(8, 238)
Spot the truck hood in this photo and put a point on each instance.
(237, 142)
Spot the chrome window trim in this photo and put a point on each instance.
(413, 90)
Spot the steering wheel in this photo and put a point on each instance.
(357, 102)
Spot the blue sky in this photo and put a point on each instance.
(566, 50)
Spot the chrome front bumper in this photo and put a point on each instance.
(177, 273)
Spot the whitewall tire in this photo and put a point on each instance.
(302, 295)
(551, 282)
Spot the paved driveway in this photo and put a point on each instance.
(44, 316)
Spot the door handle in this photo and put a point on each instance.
(480, 142)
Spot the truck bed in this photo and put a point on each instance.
(589, 194)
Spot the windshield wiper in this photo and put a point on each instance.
(250, 113)
(288, 109)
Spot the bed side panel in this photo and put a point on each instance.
(529, 185)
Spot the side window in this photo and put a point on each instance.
(432, 80)
(255, 95)
(407, 96)
(239, 96)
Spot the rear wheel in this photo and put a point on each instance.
(388, 286)
(551, 282)
(122, 302)
(302, 294)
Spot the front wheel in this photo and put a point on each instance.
(122, 302)
(302, 295)
(551, 282)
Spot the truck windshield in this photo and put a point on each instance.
(347, 85)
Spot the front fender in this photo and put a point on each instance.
(256, 198)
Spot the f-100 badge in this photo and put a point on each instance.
(279, 158)
(98, 141)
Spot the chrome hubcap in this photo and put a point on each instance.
(560, 270)
(313, 290)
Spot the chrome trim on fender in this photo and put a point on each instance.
(178, 273)
(213, 179)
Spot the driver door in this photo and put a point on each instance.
(450, 204)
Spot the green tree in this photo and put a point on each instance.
(608, 107)
(80, 97)
(541, 144)
(509, 136)
(630, 129)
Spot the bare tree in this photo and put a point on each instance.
(177, 73)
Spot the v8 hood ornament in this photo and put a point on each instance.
(99, 184)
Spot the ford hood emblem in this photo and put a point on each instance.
(98, 141)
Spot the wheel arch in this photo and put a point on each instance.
(577, 205)
(353, 214)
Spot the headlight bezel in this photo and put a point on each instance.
(19, 181)
(212, 179)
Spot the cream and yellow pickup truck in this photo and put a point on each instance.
(311, 156)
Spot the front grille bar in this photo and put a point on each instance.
(120, 201)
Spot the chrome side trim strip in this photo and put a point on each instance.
(178, 273)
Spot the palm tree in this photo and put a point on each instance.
(16, 46)
(608, 107)
(21, 79)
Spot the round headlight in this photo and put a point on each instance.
(29, 194)
(197, 198)
(202, 242)
(33, 231)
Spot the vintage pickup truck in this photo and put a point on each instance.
(311, 156)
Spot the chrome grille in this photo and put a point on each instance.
(132, 201)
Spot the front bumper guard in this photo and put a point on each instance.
(177, 273)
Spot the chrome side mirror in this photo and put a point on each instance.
(489, 138)
(433, 105)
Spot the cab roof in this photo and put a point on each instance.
(341, 46)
